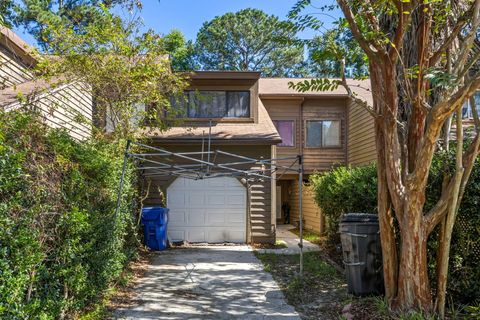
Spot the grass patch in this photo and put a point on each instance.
(279, 244)
(319, 294)
(311, 236)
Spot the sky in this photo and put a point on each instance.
(189, 15)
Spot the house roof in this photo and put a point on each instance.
(261, 132)
(28, 90)
(13, 43)
(279, 88)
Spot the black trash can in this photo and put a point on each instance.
(362, 253)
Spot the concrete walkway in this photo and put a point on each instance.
(291, 240)
(211, 282)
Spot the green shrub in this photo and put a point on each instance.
(345, 189)
(60, 244)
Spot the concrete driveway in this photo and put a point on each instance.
(211, 282)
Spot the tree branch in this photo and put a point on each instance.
(364, 43)
(462, 21)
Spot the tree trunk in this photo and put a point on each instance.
(387, 235)
(413, 286)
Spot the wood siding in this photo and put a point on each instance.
(259, 210)
(361, 136)
(68, 107)
(12, 70)
(312, 215)
(299, 110)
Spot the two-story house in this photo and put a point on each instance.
(257, 118)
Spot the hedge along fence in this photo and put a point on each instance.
(345, 190)
(60, 244)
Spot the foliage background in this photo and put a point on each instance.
(346, 189)
(60, 244)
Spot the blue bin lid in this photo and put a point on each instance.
(153, 213)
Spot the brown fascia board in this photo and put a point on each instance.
(13, 43)
(215, 141)
(224, 75)
(301, 95)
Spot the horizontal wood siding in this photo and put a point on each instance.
(361, 136)
(68, 107)
(322, 159)
(312, 215)
(12, 71)
(259, 224)
(286, 110)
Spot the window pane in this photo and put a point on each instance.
(314, 134)
(238, 104)
(207, 104)
(286, 130)
(331, 134)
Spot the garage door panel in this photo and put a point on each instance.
(176, 199)
(236, 199)
(196, 218)
(235, 218)
(177, 217)
(237, 236)
(195, 198)
(216, 200)
(196, 235)
(176, 235)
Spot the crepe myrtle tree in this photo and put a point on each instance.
(423, 65)
(128, 71)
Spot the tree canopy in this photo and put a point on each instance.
(250, 40)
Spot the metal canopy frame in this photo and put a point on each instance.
(158, 162)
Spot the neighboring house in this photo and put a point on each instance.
(67, 105)
(257, 118)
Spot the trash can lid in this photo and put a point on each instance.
(359, 217)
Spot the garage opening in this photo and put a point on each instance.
(207, 210)
(211, 190)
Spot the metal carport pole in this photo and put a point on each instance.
(300, 193)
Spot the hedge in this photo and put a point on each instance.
(61, 246)
(346, 189)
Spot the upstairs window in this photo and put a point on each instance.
(217, 104)
(322, 133)
(286, 129)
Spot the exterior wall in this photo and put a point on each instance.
(260, 228)
(322, 159)
(361, 136)
(12, 70)
(299, 110)
(313, 218)
(68, 107)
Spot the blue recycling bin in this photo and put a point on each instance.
(155, 221)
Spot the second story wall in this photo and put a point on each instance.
(304, 111)
(361, 136)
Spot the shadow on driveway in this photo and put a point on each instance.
(212, 282)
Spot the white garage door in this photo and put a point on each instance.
(210, 210)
